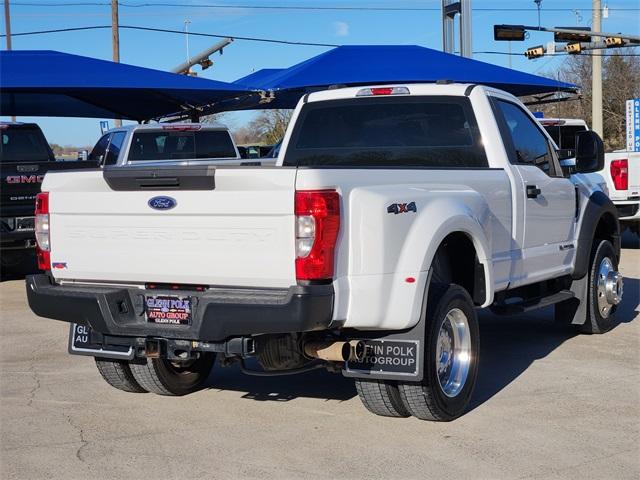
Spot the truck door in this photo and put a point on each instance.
(549, 200)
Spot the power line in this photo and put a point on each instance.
(165, 30)
(562, 54)
(297, 7)
(253, 39)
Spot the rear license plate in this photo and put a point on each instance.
(80, 343)
(388, 356)
(25, 224)
(168, 309)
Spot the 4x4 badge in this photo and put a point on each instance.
(397, 208)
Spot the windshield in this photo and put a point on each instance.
(23, 144)
(176, 145)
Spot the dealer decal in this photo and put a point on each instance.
(388, 356)
(168, 310)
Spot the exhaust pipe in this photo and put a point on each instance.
(336, 351)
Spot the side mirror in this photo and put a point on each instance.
(589, 152)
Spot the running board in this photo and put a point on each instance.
(533, 304)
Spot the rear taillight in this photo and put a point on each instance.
(620, 174)
(43, 244)
(317, 226)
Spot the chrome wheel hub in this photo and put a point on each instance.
(609, 287)
(453, 352)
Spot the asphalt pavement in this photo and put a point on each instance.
(549, 404)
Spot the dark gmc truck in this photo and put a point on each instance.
(25, 156)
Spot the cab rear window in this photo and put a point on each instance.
(23, 143)
(177, 145)
(436, 132)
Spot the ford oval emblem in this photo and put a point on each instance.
(162, 203)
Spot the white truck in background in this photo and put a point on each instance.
(178, 144)
(392, 215)
(621, 170)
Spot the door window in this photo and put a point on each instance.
(114, 148)
(528, 145)
(100, 149)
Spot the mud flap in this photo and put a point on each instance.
(574, 311)
(391, 357)
(395, 355)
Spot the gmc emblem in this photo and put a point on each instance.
(25, 178)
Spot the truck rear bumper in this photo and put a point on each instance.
(628, 210)
(217, 313)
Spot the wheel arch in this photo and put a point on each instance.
(599, 221)
(464, 232)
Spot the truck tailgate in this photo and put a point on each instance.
(240, 233)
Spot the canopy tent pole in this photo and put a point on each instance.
(115, 40)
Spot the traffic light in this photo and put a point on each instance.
(614, 41)
(535, 52)
(572, 37)
(206, 63)
(573, 48)
(508, 32)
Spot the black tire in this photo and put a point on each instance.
(381, 397)
(118, 374)
(427, 400)
(166, 378)
(595, 323)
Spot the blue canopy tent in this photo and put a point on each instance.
(370, 64)
(56, 84)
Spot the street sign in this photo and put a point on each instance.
(633, 125)
(104, 126)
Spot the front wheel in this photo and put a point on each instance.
(605, 289)
(452, 347)
(164, 377)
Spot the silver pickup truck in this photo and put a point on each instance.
(162, 143)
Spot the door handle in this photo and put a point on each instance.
(533, 191)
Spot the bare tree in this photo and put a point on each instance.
(621, 82)
(270, 125)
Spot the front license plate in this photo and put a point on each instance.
(80, 343)
(168, 309)
(388, 356)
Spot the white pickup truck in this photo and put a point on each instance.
(393, 214)
(621, 170)
(164, 143)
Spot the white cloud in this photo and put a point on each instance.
(341, 29)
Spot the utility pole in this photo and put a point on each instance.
(449, 10)
(596, 68)
(7, 23)
(7, 29)
(115, 40)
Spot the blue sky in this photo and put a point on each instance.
(163, 51)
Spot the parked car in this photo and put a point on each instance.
(166, 143)
(621, 169)
(25, 157)
(393, 214)
(254, 151)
